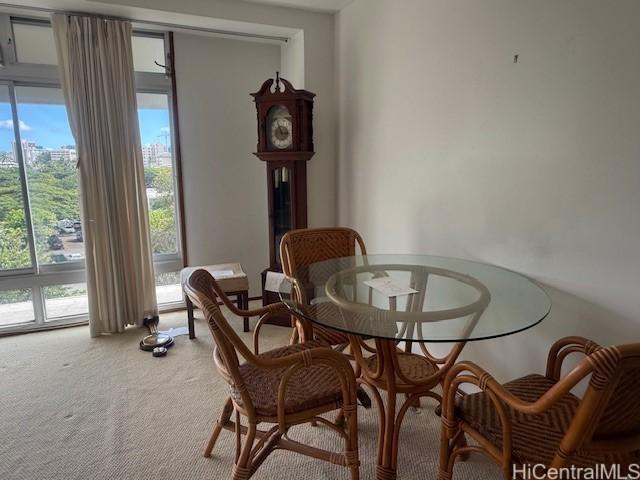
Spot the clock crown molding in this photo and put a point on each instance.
(297, 131)
(268, 94)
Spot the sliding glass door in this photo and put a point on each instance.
(42, 278)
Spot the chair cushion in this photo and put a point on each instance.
(237, 282)
(535, 438)
(309, 387)
(413, 367)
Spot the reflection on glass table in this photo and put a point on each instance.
(448, 294)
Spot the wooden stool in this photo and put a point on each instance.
(231, 279)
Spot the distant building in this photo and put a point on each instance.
(156, 155)
(63, 152)
(31, 152)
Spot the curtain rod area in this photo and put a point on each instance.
(148, 22)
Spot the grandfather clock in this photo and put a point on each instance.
(285, 143)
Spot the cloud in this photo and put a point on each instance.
(8, 125)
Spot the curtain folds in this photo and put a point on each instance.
(96, 67)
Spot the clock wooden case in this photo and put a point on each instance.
(285, 143)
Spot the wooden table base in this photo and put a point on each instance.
(386, 379)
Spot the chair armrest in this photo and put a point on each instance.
(469, 372)
(317, 356)
(501, 398)
(563, 348)
(272, 308)
(304, 359)
(261, 321)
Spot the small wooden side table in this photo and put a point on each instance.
(233, 281)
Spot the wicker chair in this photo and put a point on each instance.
(537, 420)
(285, 387)
(299, 249)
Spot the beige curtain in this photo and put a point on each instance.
(96, 67)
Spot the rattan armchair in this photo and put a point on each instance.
(537, 420)
(299, 249)
(284, 387)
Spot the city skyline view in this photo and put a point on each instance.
(47, 126)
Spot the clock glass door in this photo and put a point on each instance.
(281, 195)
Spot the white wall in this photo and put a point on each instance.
(292, 60)
(225, 193)
(447, 147)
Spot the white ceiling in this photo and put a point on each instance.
(315, 5)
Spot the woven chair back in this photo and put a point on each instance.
(608, 416)
(301, 248)
(617, 378)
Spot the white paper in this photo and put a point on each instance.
(273, 281)
(388, 287)
(174, 332)
(222, 273)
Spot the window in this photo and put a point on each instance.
(16, 307)
(49, 156)
(42, 279)
(147, 50)
(63, 301)
(168, 287)
(155, 134)
(34, 43)
(14, 241)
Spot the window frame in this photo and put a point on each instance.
(36, 277)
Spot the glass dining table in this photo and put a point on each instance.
(395, 307)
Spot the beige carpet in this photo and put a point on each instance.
(72, 407)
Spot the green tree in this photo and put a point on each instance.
(10, 191)
(14, 249)
(53, 185)
(163, 230)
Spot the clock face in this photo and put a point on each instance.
(279, 128)
(281, 133)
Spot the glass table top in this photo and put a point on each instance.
(415, 297)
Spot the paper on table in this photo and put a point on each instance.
(387, 287)
(222, 273)
(273, 281)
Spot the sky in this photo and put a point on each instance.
(48, 126)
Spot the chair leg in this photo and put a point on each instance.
(363, 397)
(192, 333)
(450, 445)
(245, 306)
(446, 466)
(351, 442)
(225, 416)
(242, 467)
(461, 442)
